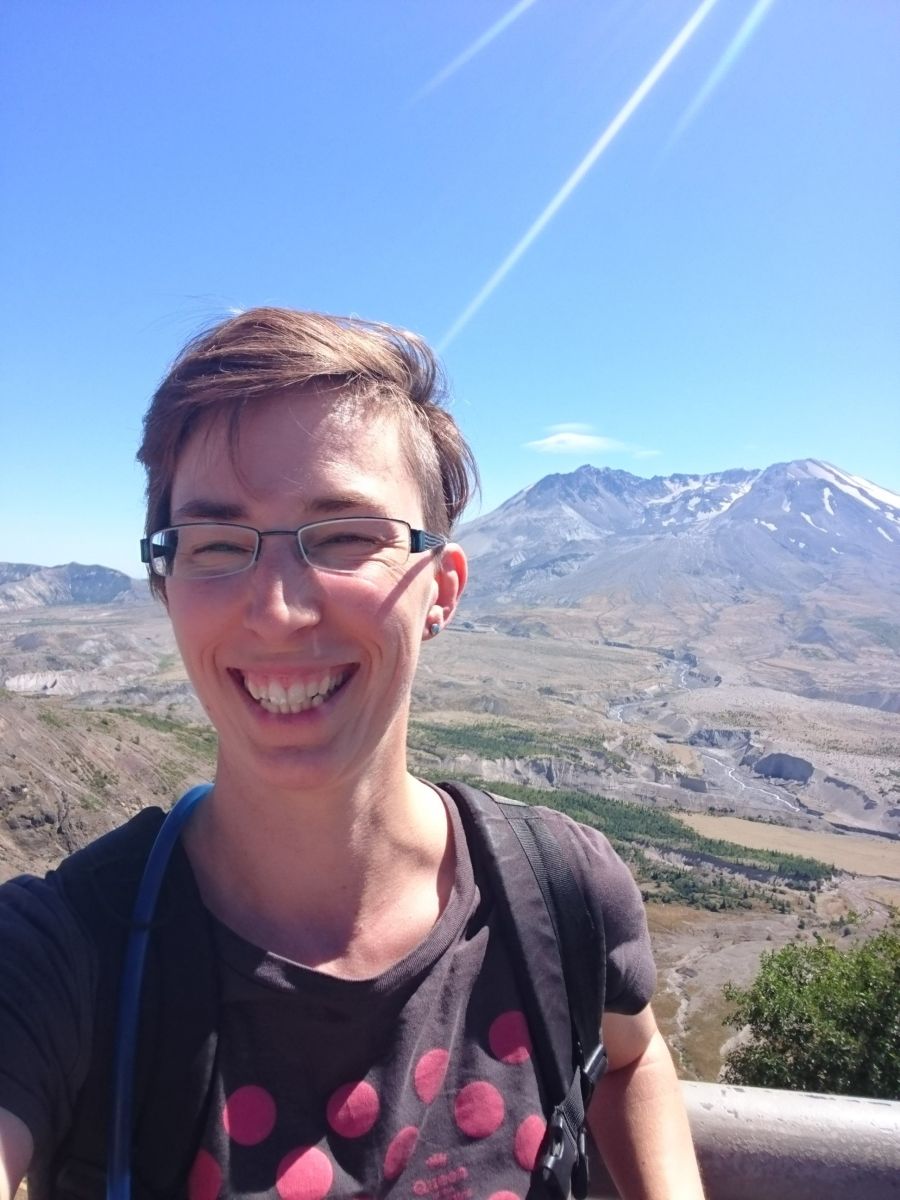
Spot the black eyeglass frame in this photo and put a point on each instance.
(420, 540)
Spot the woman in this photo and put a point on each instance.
(303, 482)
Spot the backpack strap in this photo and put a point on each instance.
(554, 941)
(179, 1011)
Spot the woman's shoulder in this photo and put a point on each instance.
(96, 881)
(600, 869)
(592, 850)
(47, 983)
(616, 906)
(34, 910)
(61, 939)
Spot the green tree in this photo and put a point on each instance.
(822, 1019)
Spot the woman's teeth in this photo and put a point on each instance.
(297, 697)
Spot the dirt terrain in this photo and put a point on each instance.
(68, 774)
(697, 953)
(870, 856)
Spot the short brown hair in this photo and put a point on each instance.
(265, 351)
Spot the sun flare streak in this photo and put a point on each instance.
(476, 47)
(630, 106)
(733, 51)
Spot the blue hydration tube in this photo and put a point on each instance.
(118, 1174)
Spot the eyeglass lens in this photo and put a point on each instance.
(208, 550)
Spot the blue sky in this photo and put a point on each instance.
(717, 287)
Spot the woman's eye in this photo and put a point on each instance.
(351, 539)
(218, 548)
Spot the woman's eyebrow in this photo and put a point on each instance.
(328, 504)
(201, 509)
(209, 510)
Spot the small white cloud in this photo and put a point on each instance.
(569, 427)
(573, 437)
(574, 443)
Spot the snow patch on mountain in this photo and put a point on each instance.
(863, 490)
(725, 504)
(808, 519)
(891, 499)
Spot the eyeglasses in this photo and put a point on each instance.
(211, 550)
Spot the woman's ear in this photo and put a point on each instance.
(451, 573)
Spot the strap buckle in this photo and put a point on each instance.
(580, 1177)
(559, 1154)
(593, 1071)
(562, 1163)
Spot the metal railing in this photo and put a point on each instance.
(760, 1144)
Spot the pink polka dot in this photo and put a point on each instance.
(529, 1136)
(509, 1039)
(249, 1115)
(504, 1196)
(429, 1074)
(205, 1179)
(353, 1109)
(304, 1174)
(479, 1109)
(400, 1151)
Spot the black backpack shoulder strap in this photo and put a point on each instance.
(179, 1011)
(554, 940)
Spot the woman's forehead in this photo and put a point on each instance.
(297, 443)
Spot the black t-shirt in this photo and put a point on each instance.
(419, 1082)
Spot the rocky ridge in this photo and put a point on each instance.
(788, 531)
(25, 585)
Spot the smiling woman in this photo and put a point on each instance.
(352, 967)
(356, 625)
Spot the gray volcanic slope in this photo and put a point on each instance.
(786, 532)
(24, 585)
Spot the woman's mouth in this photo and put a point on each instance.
(278, 695)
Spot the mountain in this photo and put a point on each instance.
(24, 585)
(798, 535)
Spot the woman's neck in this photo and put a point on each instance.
(347, 880)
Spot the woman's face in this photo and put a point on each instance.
(283, 627)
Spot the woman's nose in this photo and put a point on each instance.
(284, 592)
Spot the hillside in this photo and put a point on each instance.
(24, 585)
(69, 774)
